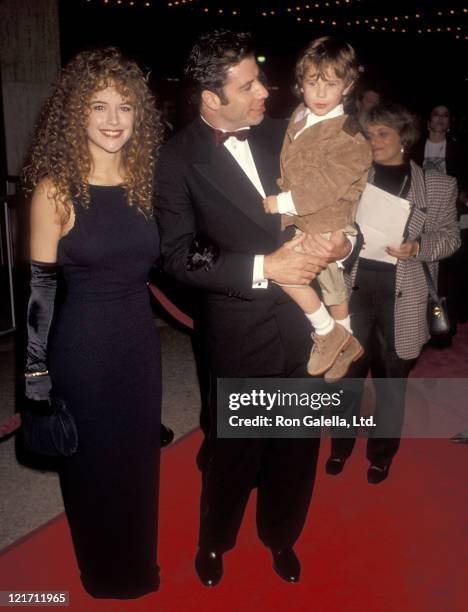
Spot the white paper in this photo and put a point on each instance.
(382, 218)
(463, 223)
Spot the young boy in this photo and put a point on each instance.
(324, 164)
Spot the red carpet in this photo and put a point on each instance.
(448, 362)
(398, 546)
(401, 545)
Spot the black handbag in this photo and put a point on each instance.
(437, 312)
(49, 428)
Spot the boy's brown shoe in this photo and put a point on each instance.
(352, 352)
(326, 349)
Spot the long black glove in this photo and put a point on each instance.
(40, 313)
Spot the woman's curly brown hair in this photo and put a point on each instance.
(59, 148)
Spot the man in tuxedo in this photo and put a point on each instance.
(211, 181)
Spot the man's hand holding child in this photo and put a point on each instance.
(270, 204)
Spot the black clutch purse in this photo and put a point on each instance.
(49, 428)
(437, 312)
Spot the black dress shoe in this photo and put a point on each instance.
(286, 564)
(167, 435)
(460, 438)
(335, 465)
(209, 567)
(377, 473)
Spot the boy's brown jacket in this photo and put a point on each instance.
(325, 169)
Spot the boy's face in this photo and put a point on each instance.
(322, 95)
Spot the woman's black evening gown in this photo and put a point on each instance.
(104, 360)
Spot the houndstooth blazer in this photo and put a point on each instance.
(433, 219)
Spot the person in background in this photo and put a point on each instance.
(441, 151)
(97, 348)
(388, 303)
(168, 111)
(367, 98)
(367, 95)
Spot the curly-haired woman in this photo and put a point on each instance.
(90, 173)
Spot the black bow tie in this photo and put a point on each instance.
(221, 137)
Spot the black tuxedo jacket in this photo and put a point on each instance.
(201, 188)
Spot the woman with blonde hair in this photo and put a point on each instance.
(96, 348)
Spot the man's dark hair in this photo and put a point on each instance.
(430, 109)
(211, 56)
(363, 89)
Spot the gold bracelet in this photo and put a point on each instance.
(35, 374)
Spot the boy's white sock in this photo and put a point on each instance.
(346, 323)
(321, 320)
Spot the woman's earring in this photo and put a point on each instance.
(402, 150)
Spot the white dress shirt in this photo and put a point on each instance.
(240, 150)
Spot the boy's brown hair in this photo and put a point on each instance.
(328, 52)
